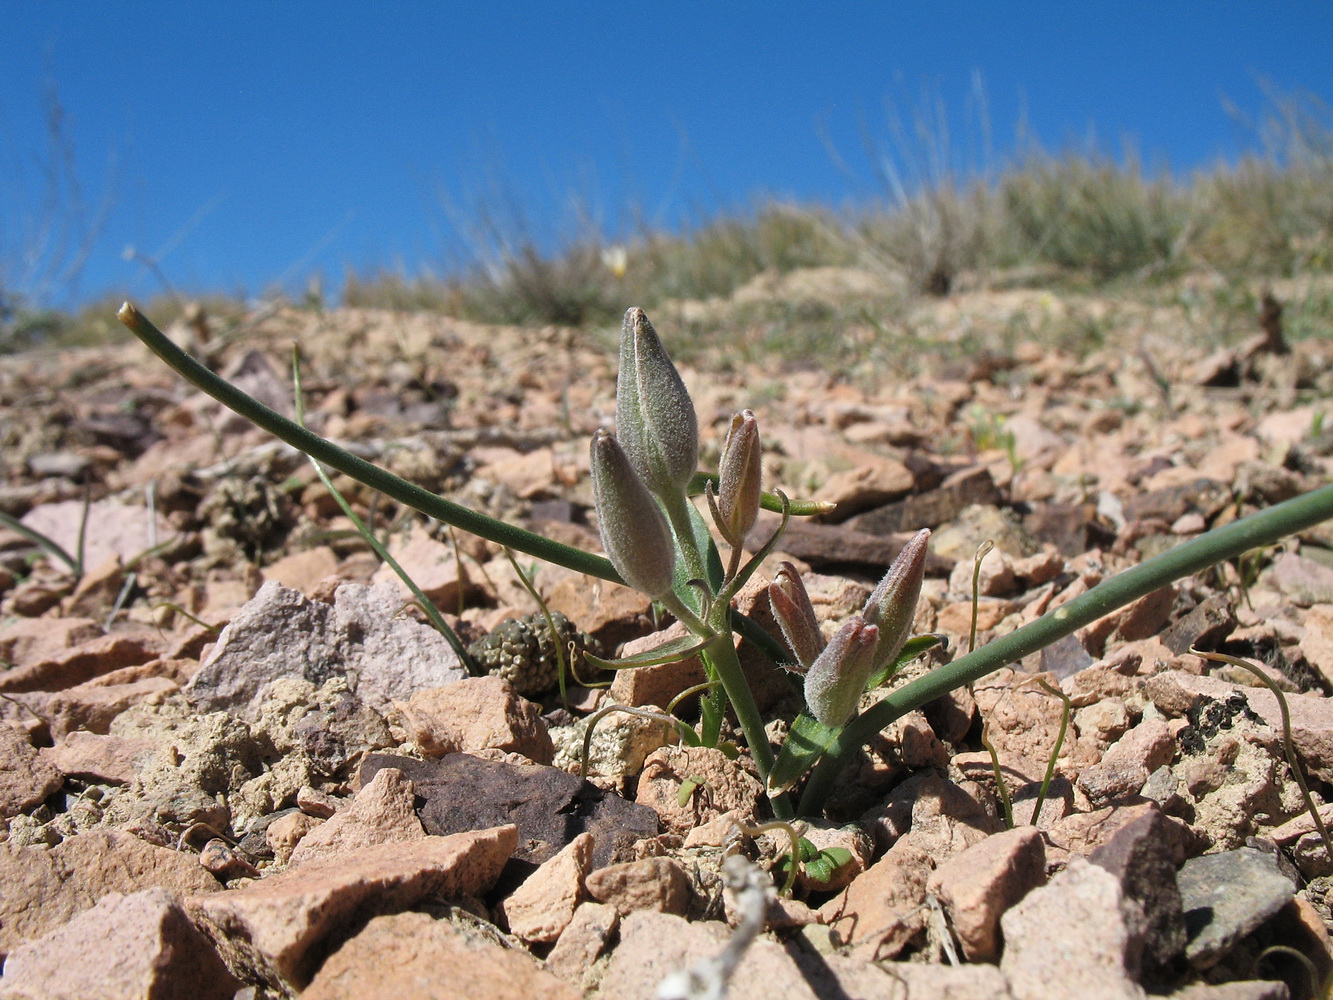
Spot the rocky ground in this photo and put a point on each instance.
(239, 763)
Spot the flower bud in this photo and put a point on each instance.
(795, 615)
(634, 532)
(740, 478)
(892, 606)
(655, 418)
(836, 679)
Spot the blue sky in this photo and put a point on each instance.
(247, 144)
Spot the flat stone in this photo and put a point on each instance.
(542, 907)
(869, 484)
(882, 909)
(26, 777)
(41, 889)
(31, 640)
(659, 884)
(978, 885)
(114, 530)
(1303, 580)
(551, 807)
(412, 956)
(660, 683)
(1069, 938)
(381, 813)
(476, 713)
(1226, 896)
(83, 662)
(431, 565)
(655, 945)
(279, 928)
(303, 570)
(113, 760)
(931, 509)
(841, 544)
(144, 946)
(587, 935)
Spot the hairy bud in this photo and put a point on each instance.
(835, 681)
(892, 606)
(795, 615)
(634, 532)
(655, 418)
(740, 478)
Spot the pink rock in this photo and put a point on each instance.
(882, 910)
(41, 889)
(381, 813)
(135, 946)
(872, 484)
(719, 785)
(113, 529)
(478, 713)
(274, 928)
(26, 777)
(541, 908)
(946, 818)
(980, 884)
(1317, 643)
(430, 564)
(31, 640)
(996, 579)
(655, 945)
(658, 684)
(649, 884)
(582, 941)
(600, 608)
(82, 663)
(285, 832)
(852, 839)
(412, 956)
(1069, 938)
(115, 760)
(90, 707)
(303, 570)
(1126, 765)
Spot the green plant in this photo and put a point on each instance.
(659, 542)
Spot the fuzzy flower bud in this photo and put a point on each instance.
(892, 606)
(795, 614)
(837, 678)
(740, 478)
(655, 418)
(634, 532)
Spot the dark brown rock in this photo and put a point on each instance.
(1140, 855)
(551, 807)
(929, 510)
(1204, 627)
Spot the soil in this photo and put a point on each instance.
(234, 671)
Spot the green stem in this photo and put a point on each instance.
(1260, 529)
(721, 653)
(362, 471)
